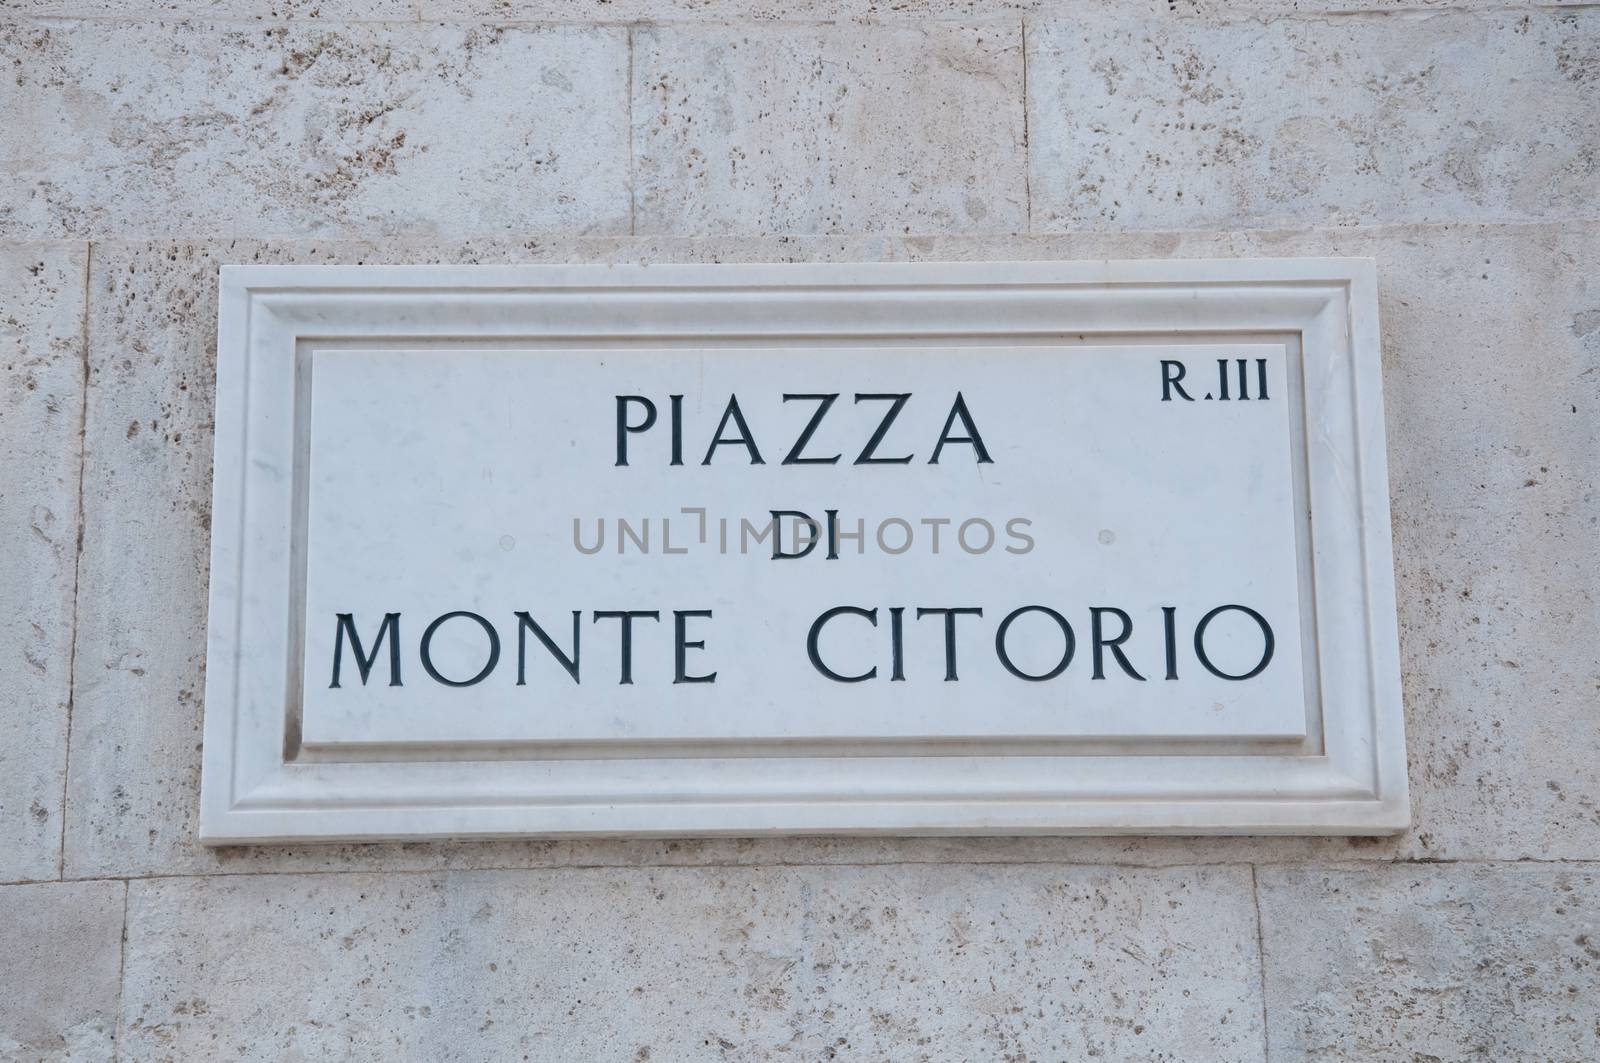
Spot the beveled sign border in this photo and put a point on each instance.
(260, 786)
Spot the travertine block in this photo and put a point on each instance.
(1191, 123)
(165, 129)
(900, 963)
(892, 10)
(61, 965)
(735, 10)
(826, 129)
(326, 10)
(41, 420)
(1490, 341)
(635, 11)
(1432, 962)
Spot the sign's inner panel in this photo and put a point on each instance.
(652, 545)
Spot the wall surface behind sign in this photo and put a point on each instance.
(145, 142)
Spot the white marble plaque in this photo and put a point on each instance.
(989, 548)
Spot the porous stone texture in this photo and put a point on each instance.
(41, 423)
(1429, 962)
(61, 965)
(1456, 143)
(1135, 123)
(330, 10)
(762, 129)
(905, 963)
(146, 128)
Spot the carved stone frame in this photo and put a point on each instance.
(259, 785)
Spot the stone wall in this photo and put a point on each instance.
(145, 142)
